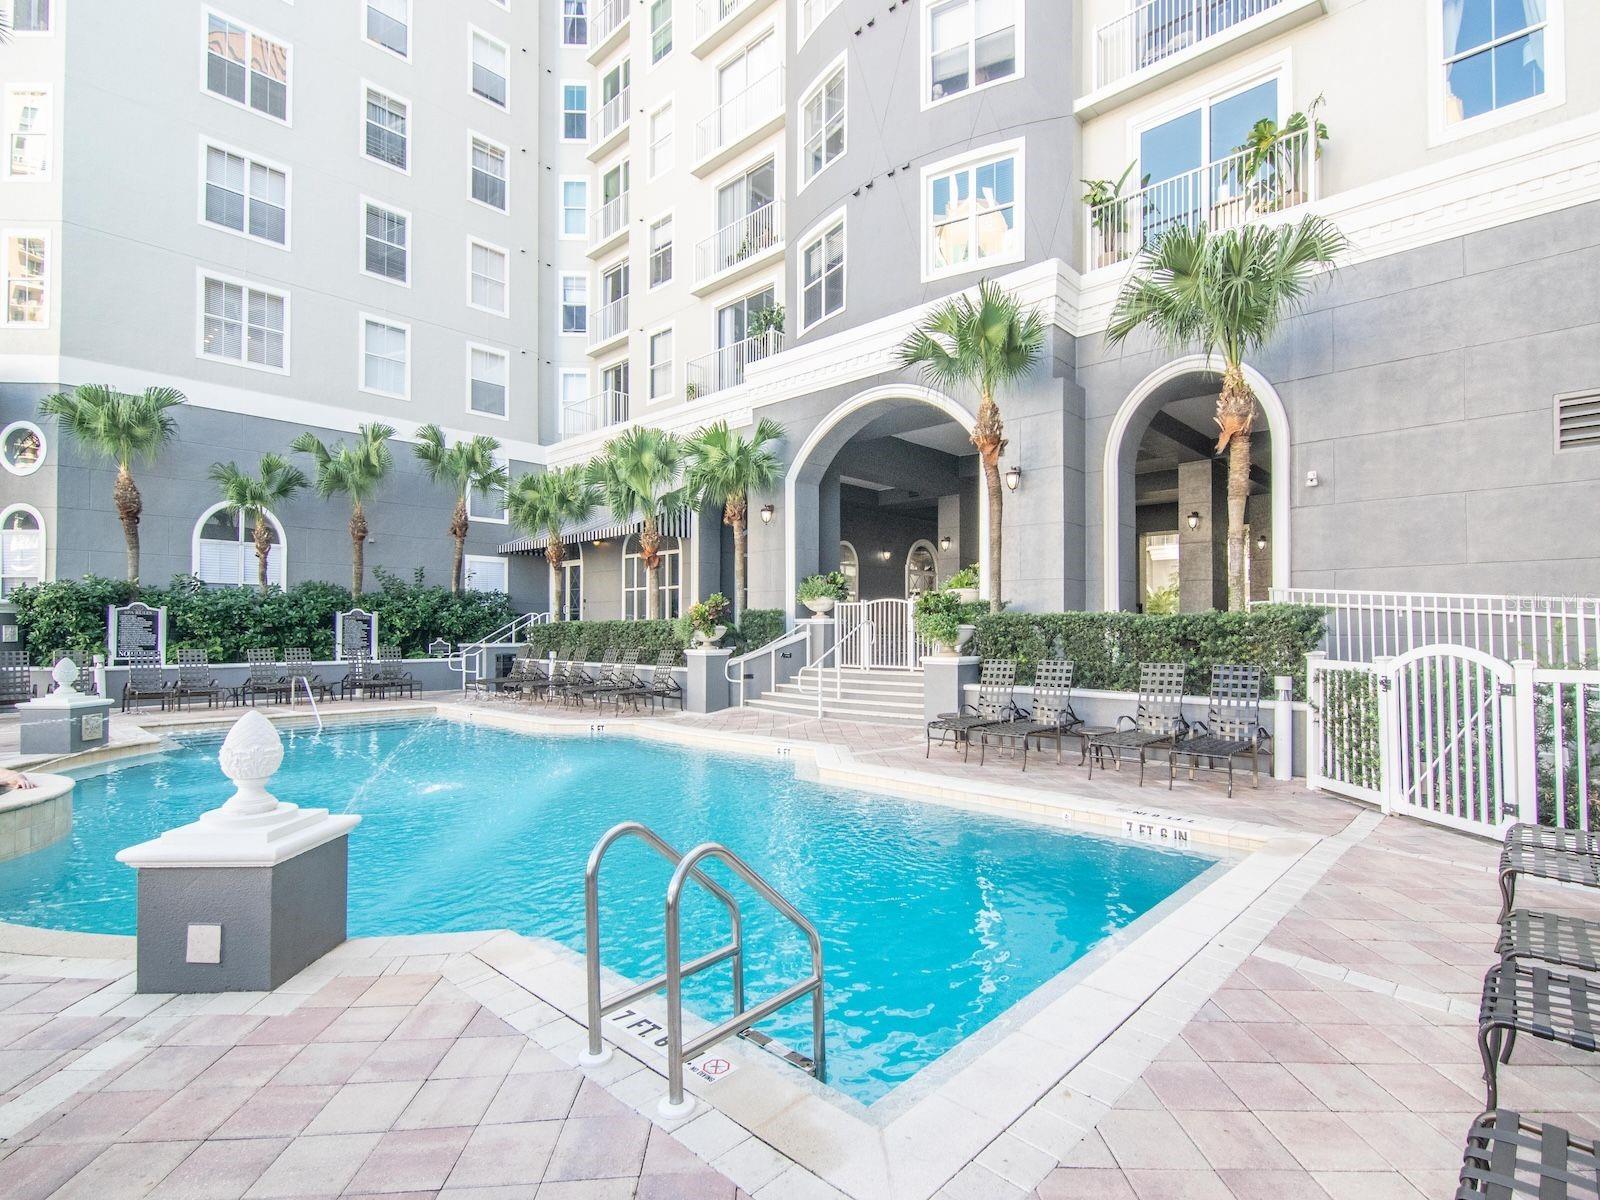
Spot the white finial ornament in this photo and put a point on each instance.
(251, 754)
(65, 673)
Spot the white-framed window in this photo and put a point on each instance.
(244, 323)
(574, 391)
(388, 24)
(23, 448)
(484, 573)
(30, 16)
(244, 195)
(488, 278)
(22, 554)
(386, 242)
(850, 568)
(574, 112)
(972, 212)
(661, 251)
(246, 67)
(385, 357)
(822, 123)
(661, 363)
(574, 302)
(26, 270)
(822, 272)
(490, 69)
(1498, 60)
(969, 44)
(574, 22)
(491, 507)
(223, 549)
(387, 128)
(811, 14)
(636, 580)
(28, 120)
(660, 29)
(489, 180)
(660, 149)
(488, 381)
(574, 208)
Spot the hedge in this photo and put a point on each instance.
(1107, 647)
(759, 627)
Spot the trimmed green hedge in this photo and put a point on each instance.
(760, 626)
(1107, 647)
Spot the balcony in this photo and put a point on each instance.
(608, 325)
(725, 368)
(610, 125)
(1230, 192)
(608, 226)
(739, 248)
(739, 123)
(715, 21)
(608, 26)
(1158, 41)
(598, 412)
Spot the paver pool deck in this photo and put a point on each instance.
(1326, 1048)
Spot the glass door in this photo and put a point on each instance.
(571, 599)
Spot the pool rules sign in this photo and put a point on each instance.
(135, 633)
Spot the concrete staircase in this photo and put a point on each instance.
(884, 697)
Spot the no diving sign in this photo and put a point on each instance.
(708, 1068)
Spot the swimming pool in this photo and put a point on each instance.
(934, 921)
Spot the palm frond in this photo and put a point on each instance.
(986, 342)
(116, 425)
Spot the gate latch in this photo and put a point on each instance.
(1507, 689)
(1383, 683)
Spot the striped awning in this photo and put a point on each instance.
(605, 527)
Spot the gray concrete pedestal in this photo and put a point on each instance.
(65, 721)
(945, 678)
(707, 690)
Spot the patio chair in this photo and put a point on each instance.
(266, 678)
(392, 673)
(297, 666)
(1553, 938)
(1509, 1156)
(16, 680)
(1544, 852)
(362, 678)
(1538, 1001)
(147, 680)
(604, 679)
(1157, 721)
(661, 688)
(1051, 720)
(196, 680)
(532, 678)
(996, 682)
(1232, 727)
(576, 679)
(624, 676)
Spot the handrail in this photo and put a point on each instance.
(469, 659)
(863, 631)
(677, 1049)
(771, 647)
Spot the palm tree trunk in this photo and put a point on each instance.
(358, 548)
(460, 526)
(988, 435)
(649, 554)
(555, 554)
(129, 505)
(734, 513)
(1236, 410)
(263, 540)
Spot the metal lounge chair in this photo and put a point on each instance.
(361, 677)
(996, 683)
(196, 681)
(1508, 1156)
(392, 673)
(1519, 998)
(1543, 852)
(577, 677)
(1232, 727)
(16, 680)
(265, 679)
(605, 679)
(1051, 720)
(534, 680)
(661, 688)
(146, 681)
(624, 675)
(297, 665)
(1553, 938)
(1157, 723)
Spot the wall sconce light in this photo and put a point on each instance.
(944, 542)
(1261, 541)
(885, 555)
(1194, 520)
(766, 514)
(1013, 478)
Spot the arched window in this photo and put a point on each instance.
(21, 548)
(634, 580)
(922, 570)
(224, 551)
(850, 568)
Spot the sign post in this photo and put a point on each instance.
(135, 631)
(355, 635)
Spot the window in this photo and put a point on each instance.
(244, 324)
(489, 173)
(739, 79)
(386, 129)
(30, 16)
(574, 303)
(246, 67)
(574, 208)
(490, 68)
(483, 573)
(488, 267)
(850, 568)
(21, 549)
(224, 553)
(389, 25)
(385, 366)
(661, 141)
(660, 29)
(660, 364)
(25, 279)
(822, 118)
(1188, 160)
(574, 22)
(488, 372)
(246, 196)
(823, 263)
(491, 507)
(27, 133)
(970, 43)
(733, 320)
(971, 215)
(386, 241)
(745, 212)
(575, 112)
(1158, 572)
(636, 580)
(661, 251)
(1494, 55)
(811, 14)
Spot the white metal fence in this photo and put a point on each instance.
(738, 115)
(605, 408)
(894, 644)
(1158, 29)
(608, 321)
(725, 368)
(739, 240)
(610, 219)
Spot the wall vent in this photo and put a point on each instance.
(1578, 421)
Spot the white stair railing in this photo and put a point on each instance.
(471, 661)
(735, 669)
(857, 643)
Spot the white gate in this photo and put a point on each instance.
(893, 646)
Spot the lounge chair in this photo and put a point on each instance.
(195, 680)
(16, 680)
(996, 683)
(1508, 1156)
(266, 678)
(604, 680)
(1232, 727)
(1543, 852)
(617, 673)
(146, 681)
(577, 677)
(392, 673)
(1157, 722)
(1548, 937)
(1052, 718)
(532, 678)
(297, 666)
(362, 677)
(1533, 999)
(661, 688)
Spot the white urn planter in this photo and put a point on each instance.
(710, 639)
(966, 595)
(820, 606)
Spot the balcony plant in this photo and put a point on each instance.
(820, 593)
(964, 583)
(1108, 215)
(766, 320)
(943, 620)
(1270, 166)
(703, 623)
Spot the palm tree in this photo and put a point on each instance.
(1226, 293)
(640, 478)
(985, 343)
(466, 467)
(356, 471)
(548, 503)
(125, 429)
(724, 469)
(254, 496)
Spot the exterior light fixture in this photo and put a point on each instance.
(885, 555)
(1194, 520)
(944, 542)
(1261, 541)
(1013, 478)
(766, 514)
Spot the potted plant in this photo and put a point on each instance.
(703, 623)
(820, 593)
(964, 583)
(1271, 166)
(1108, 215)
(764, 321)
(940, 619)
(691, 392)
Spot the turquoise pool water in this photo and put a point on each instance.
(934, 921)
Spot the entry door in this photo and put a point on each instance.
(572, 591)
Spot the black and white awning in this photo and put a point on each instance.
(597, 530)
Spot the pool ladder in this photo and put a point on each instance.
(679, 1051)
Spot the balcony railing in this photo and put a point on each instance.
(711, 13)
(608, 321)
(725, 368)
(1158, 29)
(613, 115)
(731, 120)
(597, 412)
(608, 15)
(739, 241)
(610, 219)
(1230, 192)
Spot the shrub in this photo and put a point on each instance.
(832, 586)
(703, 617)
(966, 577)
(1107, 647)
(939, 617)
(757, 627)
(68, 616)
(593, 637)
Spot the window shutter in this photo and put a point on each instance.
(1578, 420)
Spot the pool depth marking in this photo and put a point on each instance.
(708, 1068)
